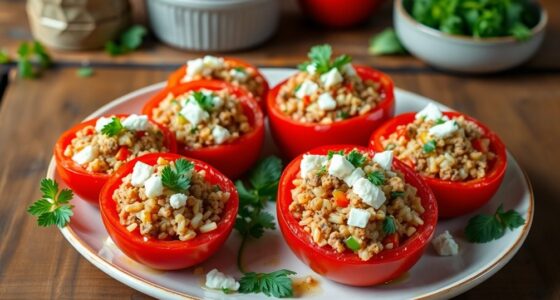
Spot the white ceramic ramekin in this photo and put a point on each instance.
(461, 53)
(213, 25)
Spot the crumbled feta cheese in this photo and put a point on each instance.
(331, 78)
(306, 88)
(136, 122)
(178, 200)
(326, 102)
(340, 167)
(369, 193)
(153, 186)
(194, 113)
(384, 159)
(238, 75)
(352, 178)
(102, 122)
(220, 281)
(140, 173)
(194, 67)
(430, 112)
(311, 69)
(220, 134)
(445, 245)
(358, 217)
(444, 130)
(213, 62)
(310, 163)
(349, 70)
(85, 155)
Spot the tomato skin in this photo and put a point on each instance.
(346, 267)
(88, 184)
(456, 198)
(176, 77)
(234, 158)
(339, 13)
(123, 153)
(340, 198)
(167, 255)
(294, 138)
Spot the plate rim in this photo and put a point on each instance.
(138, 283)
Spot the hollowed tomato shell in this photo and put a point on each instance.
(234, 158)
(347, 267)
(456, 198)
(293, 138)
(168, 254)
(87, 184)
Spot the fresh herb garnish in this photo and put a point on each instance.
(331, 153)
(322, 171)
(342, 114)
(240, 69)
(429, 147)
(129, 41)
(396, 194)
(53, 208)
(84, 71)
(252, 221)
(485, 228)
(113, 128)
(389, 225)
(4, 57)
(32, 52)
(205, 100)
(376, 177)
(320, 58)
(440, 121)
(386, 43)
(356, 158)
(178, 180)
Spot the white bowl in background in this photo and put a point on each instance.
(213, 25)
(463, 53)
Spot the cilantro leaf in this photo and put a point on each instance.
(389, 225)
(485, 228)
(205, 101)
(331, 153)
(356, 158)
(267, 172)
(53, 208)
(84, 72)
(340, 61)
(113, 128)
(130, 40)
(320, 58)
(41, 53)
(376, 177)
(40, 207)
(276, 284)
(180, 179)
(385, 43)
(246, 196)
(49, 188)
(429, 147)
(4, 57)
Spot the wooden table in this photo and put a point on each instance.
(522, 106)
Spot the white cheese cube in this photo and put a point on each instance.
(444, 130)
(384, 159)
(331, 78)
(194, 113)
(194, 67)
(306, 88)
(84, 156)
(430, 112)
(238, 75)
(358, 217)
(352, 178)
(213, 62)
(349, 70)
(220, 134)
(311, 69)
(140, 173)
(369, 192)
(340, 167)
(178, 200)
(153, 186)
(311, 163)
(220, 281)
(445, 245)
(136, 122)
(102, 122)
(326, 102)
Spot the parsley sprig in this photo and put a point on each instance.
(376, 177)
(129, 41)
(320, 58)
(429, 147)
(389, 225)
(178, 180)
(252, 221)
(53, 208)
(356, 158)
(205, 100)
(115, 127)
(485, 228)
(28, 53)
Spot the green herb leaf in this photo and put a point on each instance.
(267, 172)
(385, 43)
(41, 53)
(341, 61)
(376, 177)
(4, 57)
(276, 284)
(130, 40)
(356, 158)
(84, 72)
(250, 197)
(342, 115)
(53, 208)
(113, 128)
(389, 225)
(178, 180)
(331, 153)
(440, 121)
(429, 147)
(205, 100)
(320, 58)
(395, 195)
(485, 228)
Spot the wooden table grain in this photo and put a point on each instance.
(522, 106)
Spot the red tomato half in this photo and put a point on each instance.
(347, 267)
(339, 13)
(294, 138)
(176, 77)
(456, 198)
(234, 158)
(168, 254)
(84, 183)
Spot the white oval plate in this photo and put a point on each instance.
(431, 277)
